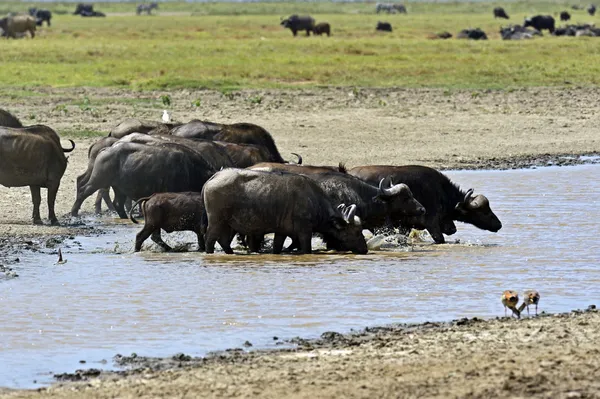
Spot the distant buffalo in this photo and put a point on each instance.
(500, 13)
(591, 9)
(322, 28)
(540, 22)
(147, 8)
(384, 26)
(83, 8)
(565, 16)
(41, 16)
(16, 26)
(390, 8)
(473, 34)
(518, 32)
(299, 23)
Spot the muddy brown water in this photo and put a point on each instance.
(107, 300)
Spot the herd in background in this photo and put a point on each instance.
(219, 180)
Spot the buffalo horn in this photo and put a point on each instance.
(387, 181)
(299, 158)
(349, 213)
(468, 196)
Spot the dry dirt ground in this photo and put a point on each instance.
(545, 357)
(553, 356)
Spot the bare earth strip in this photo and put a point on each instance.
(546, 357)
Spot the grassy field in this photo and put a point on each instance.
(229, 46)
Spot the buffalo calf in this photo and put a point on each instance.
(170, 212)
(384, 26)
(322, 28)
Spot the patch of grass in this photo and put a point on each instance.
(81, 134)
(230, 46)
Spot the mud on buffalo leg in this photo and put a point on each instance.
(36, 198)
(158, 239)
(52, 191)
(143, 235)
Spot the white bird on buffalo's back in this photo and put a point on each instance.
(166, 117)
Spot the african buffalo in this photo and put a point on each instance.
(518, 32)
(322, 28)
(134, 125)
(443, 200)
(473, 34)
(13, 26)
(384, 26)
(565, 16)
(239, 133)
(540, 22)
(500, 13)
(390, 8)
(41, 16)
(147, 8)
(591, 9)
(170, 212)
(9, 120)
(299, 23)
(93, 14)
(32, 156)
(137, 170)
(83, 8)
(257, 203)
(103, 193)
(245, 155)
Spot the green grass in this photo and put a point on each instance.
(230, 46)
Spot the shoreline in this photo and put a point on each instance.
(416, 349)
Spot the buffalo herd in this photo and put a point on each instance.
(219, 180)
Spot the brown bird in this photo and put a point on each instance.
(60, 260)
(510, 299)
(532, 297)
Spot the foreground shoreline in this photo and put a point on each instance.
(553, 355)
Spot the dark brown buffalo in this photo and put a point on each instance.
(443, 200)
(256, 203)
(565, 16)
(322, 28)
(239, 133)
(170, 212)
(299, 23)
(9, 120)
(500, 13)
(540, 22)
(32, 156)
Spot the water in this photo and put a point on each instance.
(103, 302)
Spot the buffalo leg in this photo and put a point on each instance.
(220, 233)
(278, 243)
(142, 236)
(254, 242)
(98, 203)
(36, 198)
(52, 191)
(201, 243)
(127, 203)
(308, 32)
(119, 204)
(305, 241)
(158, 239)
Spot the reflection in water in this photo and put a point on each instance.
(107, 299)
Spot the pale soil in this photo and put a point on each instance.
(546, 357)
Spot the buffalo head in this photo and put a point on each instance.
(346, 231)
(399, 198)
(476, 211)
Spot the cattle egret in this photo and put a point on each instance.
(166, 117)
(509, 300)
(532, 297)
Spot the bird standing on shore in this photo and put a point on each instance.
(510, 299)
(60, 260)
(166, 117)
(532, 297)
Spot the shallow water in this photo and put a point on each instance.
(107, 300)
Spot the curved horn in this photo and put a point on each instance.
(349, 213)
(299, 158)
(341, 207)
(386, 181)
(72, 147)
(468, 195)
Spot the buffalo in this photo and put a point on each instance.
(540, 22)
(384, 26)
(255, 203)
(15, 26)
(9, 120)
(500, 13)
(322, 28)
(134, 125)
(390, 8)
(297, 23)
(518, 32)
(565, 16)
(136, 170)
(591, 9)
(147, 8)
(472, 34)
(170, 212)
(443, 200)
(41, 16)
(83, 9)
(32, 156)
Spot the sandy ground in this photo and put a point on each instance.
(545, 357)
(554, 356)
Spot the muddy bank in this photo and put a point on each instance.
(545, 356)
